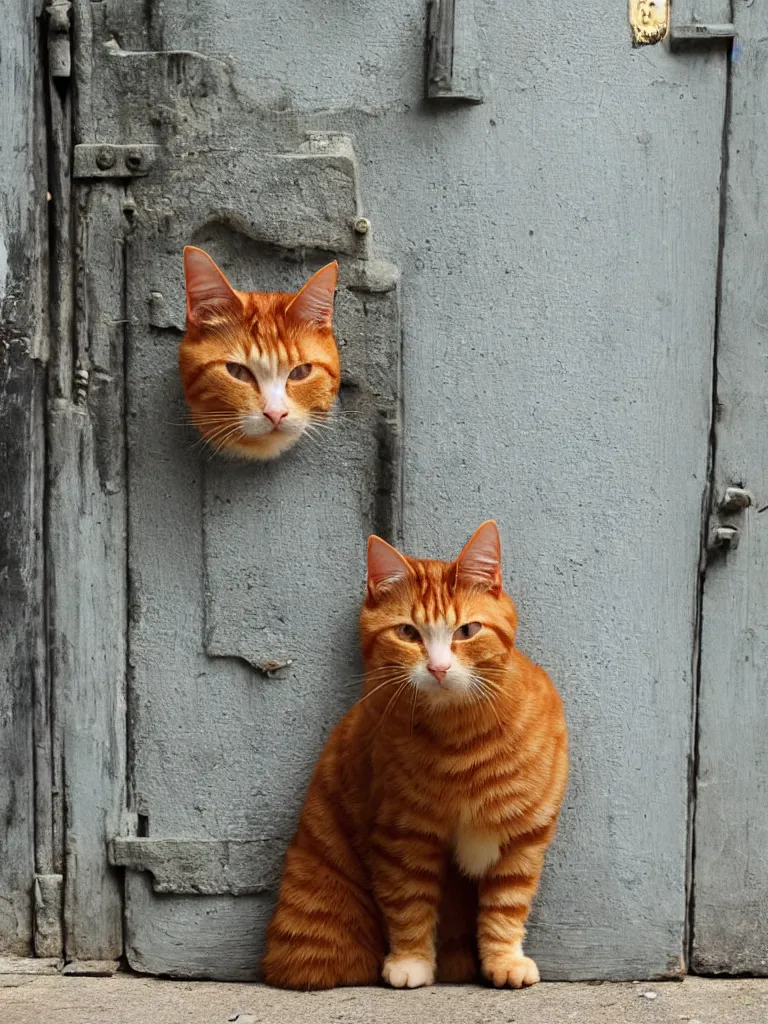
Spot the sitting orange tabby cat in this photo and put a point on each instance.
(258, 368)
(423, 834)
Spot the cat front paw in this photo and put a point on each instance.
(408, 972)
(517, 972)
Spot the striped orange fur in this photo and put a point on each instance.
(423, 833)
(259, 369)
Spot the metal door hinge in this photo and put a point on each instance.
(59, 55)
(102, 160)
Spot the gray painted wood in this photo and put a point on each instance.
(558, 247)
(702, 12)
(49, 924)
(452, 58)
(194, 937)
(242, 525)
(22, 451)
(87, 581)
(202, 867)
(731, 835)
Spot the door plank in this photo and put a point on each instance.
(23, 343)
(730, 926)
(87, 593)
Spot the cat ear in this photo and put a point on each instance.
(479, 564)
(313, 304)
(206, 285)
(385, 564)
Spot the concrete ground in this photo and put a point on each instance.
(124, 999)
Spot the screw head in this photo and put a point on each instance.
(105, 158)
(362, 226)
(133, 159)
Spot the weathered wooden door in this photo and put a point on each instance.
(730, 864)
(527, 316)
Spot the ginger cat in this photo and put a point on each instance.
(259, 369)
(423, 833)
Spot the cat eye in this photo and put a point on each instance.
(408, 632)
(240, 372)
(300, 372)
(467, 631)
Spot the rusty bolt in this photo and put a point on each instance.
(362, 226)
(105, 158)
(133, 159)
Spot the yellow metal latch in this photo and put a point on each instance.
(649, 20)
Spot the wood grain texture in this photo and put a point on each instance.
(87, 582)
(559, 254)
(730, 926)
(23, 341)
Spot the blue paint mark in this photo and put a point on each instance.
(736, 51)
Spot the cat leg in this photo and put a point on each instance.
(505, 896)
(408, 863)
(326, 930)
(457, 929)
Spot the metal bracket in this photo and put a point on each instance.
(696, 34)
(59, 50)
(108, 161)
(452, 72)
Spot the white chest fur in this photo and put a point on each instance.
(475, 850)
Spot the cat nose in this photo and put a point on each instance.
(276, 415)
(438, 671)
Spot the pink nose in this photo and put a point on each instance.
(438, 671)
(276, 416)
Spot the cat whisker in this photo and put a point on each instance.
(387, 682)
(234, 435)
(371, 673)
(480, 689)
(217, 433)
(225, 438)
(223, 422)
